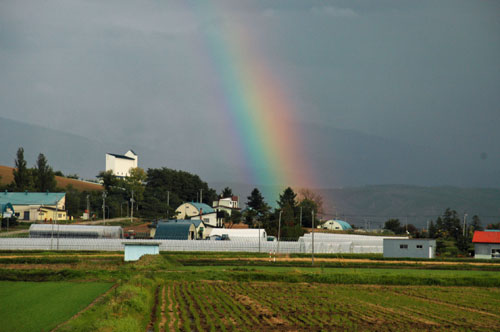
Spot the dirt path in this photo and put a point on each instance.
(93, 303)
(356, 260)
(7, 234)
(152, 321)
(163, 320)
(171, 325)
(66, 256)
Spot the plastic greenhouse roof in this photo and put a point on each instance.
(30, 198)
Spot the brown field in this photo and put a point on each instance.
(7, 177)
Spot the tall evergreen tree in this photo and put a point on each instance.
(23, 179)
(287, 198)
(476, 223)
(45, 179)
(258, 208)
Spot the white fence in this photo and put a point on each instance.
(243, 245)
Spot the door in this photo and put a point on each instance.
(26, 215)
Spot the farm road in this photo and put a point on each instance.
(355, 260)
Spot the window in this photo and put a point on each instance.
(403, 246)
(419, 246)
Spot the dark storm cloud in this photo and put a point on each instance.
(420, 74)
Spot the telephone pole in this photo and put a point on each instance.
(104, 207)
(132, 209)
(279, 233)
(168, 203)
(312, 250)
(465, 218)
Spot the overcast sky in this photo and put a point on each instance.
(422, 73)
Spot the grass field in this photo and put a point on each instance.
(30, 306)
(223, 292)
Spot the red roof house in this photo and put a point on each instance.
(486, 237)
(486, 245)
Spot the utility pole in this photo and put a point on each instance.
(279, 233)
(88, 207)
(201, 195)
(312, 249)
(57, 215)
(168, 203)
(104, 207)
(301, 216)
(132, 209)
(465, 218)
(260, 225)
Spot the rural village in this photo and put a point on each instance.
(274, 166)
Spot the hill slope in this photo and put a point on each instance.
(62, 182)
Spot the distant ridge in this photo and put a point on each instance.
(7, 177)
(373, 205)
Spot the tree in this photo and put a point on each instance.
(256, 202)
(135, 182)
(432, 230)
(45, 179)
(235, 216)
(309, 195)
(175, 187)
(109, 180)
(287, 198)
(23, 178)
(308, 207)
(257, 207)
(476, 223)
(393, 225)
(226, 192)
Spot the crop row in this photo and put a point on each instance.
(247, 306)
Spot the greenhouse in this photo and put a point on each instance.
(75, 231)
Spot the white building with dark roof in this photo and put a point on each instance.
(121, 164)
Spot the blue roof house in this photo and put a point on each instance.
(32, 206)
(202, 211)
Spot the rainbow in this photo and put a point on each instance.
(259, 111)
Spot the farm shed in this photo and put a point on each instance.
(411, 248)
(135, 250)
(75, 231)
(239, 234)
(175, 230)
(486, 244)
